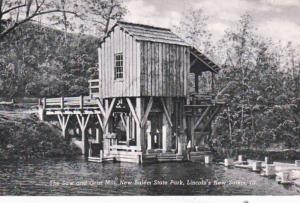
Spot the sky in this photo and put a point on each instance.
(276, 19)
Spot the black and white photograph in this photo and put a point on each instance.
(150, 98)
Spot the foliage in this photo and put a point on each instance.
(26, 138)
(263, 109)
(37, 62)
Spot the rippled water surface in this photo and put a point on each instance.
(78, 177)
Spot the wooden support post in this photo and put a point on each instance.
(63, 121)
(133, 111)
(106, 142)
(62, 104)
(164, 137)
(101, 106)
(166, 112)
(193, 132)
(180, 143)
(100, 121)
(127, 130)
(196, 83)
(81, 101)
(212, 82)
(148, 109)
(98, 140)
(140, 130)
(44, 103)
(148, 132)
(212, 116)
(205, 112)
(42, 107)
(83, 124)
(108, 111)
(133, 127)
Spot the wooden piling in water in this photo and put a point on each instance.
(257, 166)
(228, 162)
(207, 159)
(270, 170)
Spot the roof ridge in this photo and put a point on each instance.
(143, 25)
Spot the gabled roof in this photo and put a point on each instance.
(142, 32)
(150, 33)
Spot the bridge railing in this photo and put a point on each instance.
(94, 86)
(81, 102)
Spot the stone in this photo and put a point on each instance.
(270, 170)
(240, 158)
(256, 166)
(228, 162)
(283, 177)
(267, 160)
(297, 163)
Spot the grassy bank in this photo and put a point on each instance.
(23, 136)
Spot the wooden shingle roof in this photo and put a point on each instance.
(150, 33)
(141, 32)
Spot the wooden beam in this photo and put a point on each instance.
(83, 122)
(81, 101)
(212, 117)
(123, 120)
(196, 83)
(202, 117)
(66, 121)
(108, 112)
(87, 120)
(137, 120)
(79, 121)
(148, 109)
(101, 106)
(100, 121)
(166, 112)
(62, 103)
(60, 120)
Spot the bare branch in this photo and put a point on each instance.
(16, 24)
(28, 7)
(13, 8)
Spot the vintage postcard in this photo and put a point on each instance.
(150, 98)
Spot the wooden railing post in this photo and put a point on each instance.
(62, 104)
(81, 101)
(212, 82)
(44, 103)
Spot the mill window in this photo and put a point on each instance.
(119, 66)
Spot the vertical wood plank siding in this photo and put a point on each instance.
(149, 68)
(119, 42)
(164, 69)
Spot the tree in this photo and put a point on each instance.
(102, 13)
(14, 13)
(193, 28)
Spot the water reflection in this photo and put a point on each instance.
(78, 177)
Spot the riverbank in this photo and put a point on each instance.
(283, 155)
(24, 137)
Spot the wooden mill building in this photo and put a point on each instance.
(146, 104)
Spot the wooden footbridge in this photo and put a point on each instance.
(142, 107)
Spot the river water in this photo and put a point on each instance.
(79, 177)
